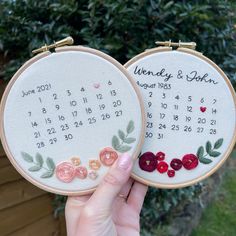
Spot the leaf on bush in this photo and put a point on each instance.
(130, 127)
(121, 134)
(115, 142)
(200, 152)
(208, 147)
(218, 143)
(129, 140)
(205, 160)
(47, 174)
(35, 168)
(50, 164)
(123, 148)
(39, 159)
(27, 157)
(214, 153)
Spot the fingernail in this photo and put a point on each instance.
(124, 161)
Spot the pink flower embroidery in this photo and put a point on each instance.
(76, 161)
(65, 172)
(108, 156)
(94, 164)
(81, 172)
(93, 174)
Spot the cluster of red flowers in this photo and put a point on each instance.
(149, 162)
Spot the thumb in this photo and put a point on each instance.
(112, 183)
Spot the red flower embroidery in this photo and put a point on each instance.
(171, 173)
(176, 164)
(190, 161)
(147, 161)
(160, 156)
(162, 167)
(108, 156)
(65, 172)
(81, 172)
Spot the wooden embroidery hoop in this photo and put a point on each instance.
(187, 48)
(44, 53)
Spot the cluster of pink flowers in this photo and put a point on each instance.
(149, 162)
(66, 171)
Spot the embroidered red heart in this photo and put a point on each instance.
(203, 109)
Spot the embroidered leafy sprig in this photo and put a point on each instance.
(210, 151)
(39, 164)
(119, 143)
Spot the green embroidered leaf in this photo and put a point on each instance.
(50, 163)
(35, 168)
(121, 134)
(130, 127)
(39, 159)
(200, 152)
(27, 157)
(214, 153)
(208, 147)
(218, 143)
(205, 160)
(115, 142)
(47, 174)
(124, 148)
(129, 140)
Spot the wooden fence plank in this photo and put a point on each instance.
(2, 153)
(62, 225)
(46, 226)
(16, 192)
(24, 214)
(4, 162)
(8, 174)
(3, 85)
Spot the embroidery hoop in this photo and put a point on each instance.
(167, 48)
(37, 58)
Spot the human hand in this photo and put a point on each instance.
(113, 209)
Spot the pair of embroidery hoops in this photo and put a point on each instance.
(67, 115)
(57, 104)
(191, 110)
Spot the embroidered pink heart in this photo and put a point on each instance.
(203, 109)
(96, 85)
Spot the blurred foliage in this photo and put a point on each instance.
(121, 28)
(219, 217)
(161, 204)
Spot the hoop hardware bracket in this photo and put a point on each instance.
(190, 45)
(63, 42)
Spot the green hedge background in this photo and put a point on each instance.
(121, 28)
